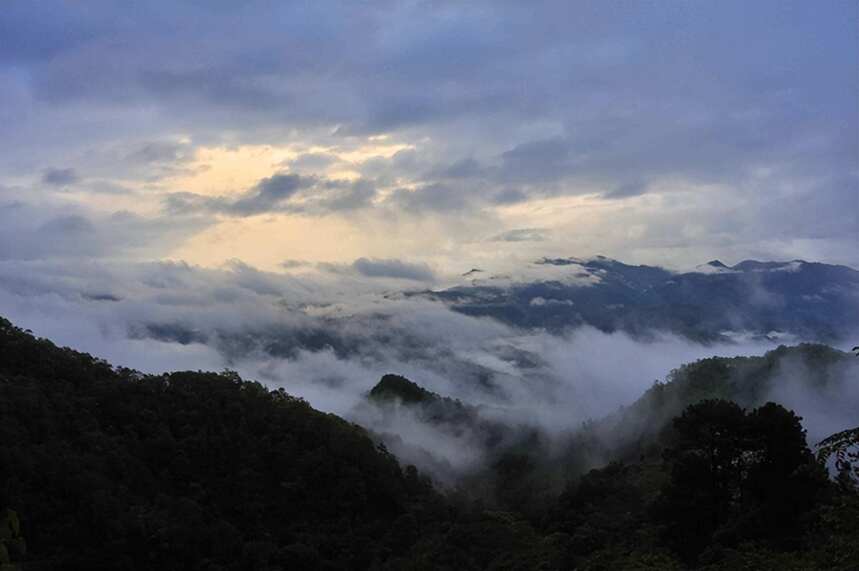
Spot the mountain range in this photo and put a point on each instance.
(794, 300)
(107, 468)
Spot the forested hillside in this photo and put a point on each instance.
(109, 469)
(105, 468)
(805, 371)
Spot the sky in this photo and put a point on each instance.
(427, 138)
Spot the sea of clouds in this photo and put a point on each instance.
(328, 336)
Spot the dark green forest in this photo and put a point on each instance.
(107, 468)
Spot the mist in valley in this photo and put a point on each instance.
(300, 334)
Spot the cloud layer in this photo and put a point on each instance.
(329, 336)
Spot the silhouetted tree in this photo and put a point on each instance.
(736, 477)
(706, 469)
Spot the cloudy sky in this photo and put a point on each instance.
(424, 138)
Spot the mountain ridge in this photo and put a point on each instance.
(808, 301)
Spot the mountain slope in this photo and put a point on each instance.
(808, 377)
(110, 469)
(809, 301)
(815, 380)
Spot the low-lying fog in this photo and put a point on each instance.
(307, 335)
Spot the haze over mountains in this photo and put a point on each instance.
(545, 348)
(458, 443)
(789, 300)
(159, 316)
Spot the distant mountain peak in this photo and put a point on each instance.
(714, 267)
(393, 387)
(712, 301)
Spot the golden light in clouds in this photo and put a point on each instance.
(266, 241)
(570, 223)
(232, 170)
(229, 170)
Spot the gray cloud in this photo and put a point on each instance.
(60, 177)
(280, 193)
(268, 194)
(463, 168)
(168, 152)
(31, 232)
(292, 264)
(538, 160)
(311, 162)
(383, 270)
(374, 268)
(341, 196)
(626, 190)
(431, 198)
(522, 235)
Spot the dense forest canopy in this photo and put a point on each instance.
(106, 468)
